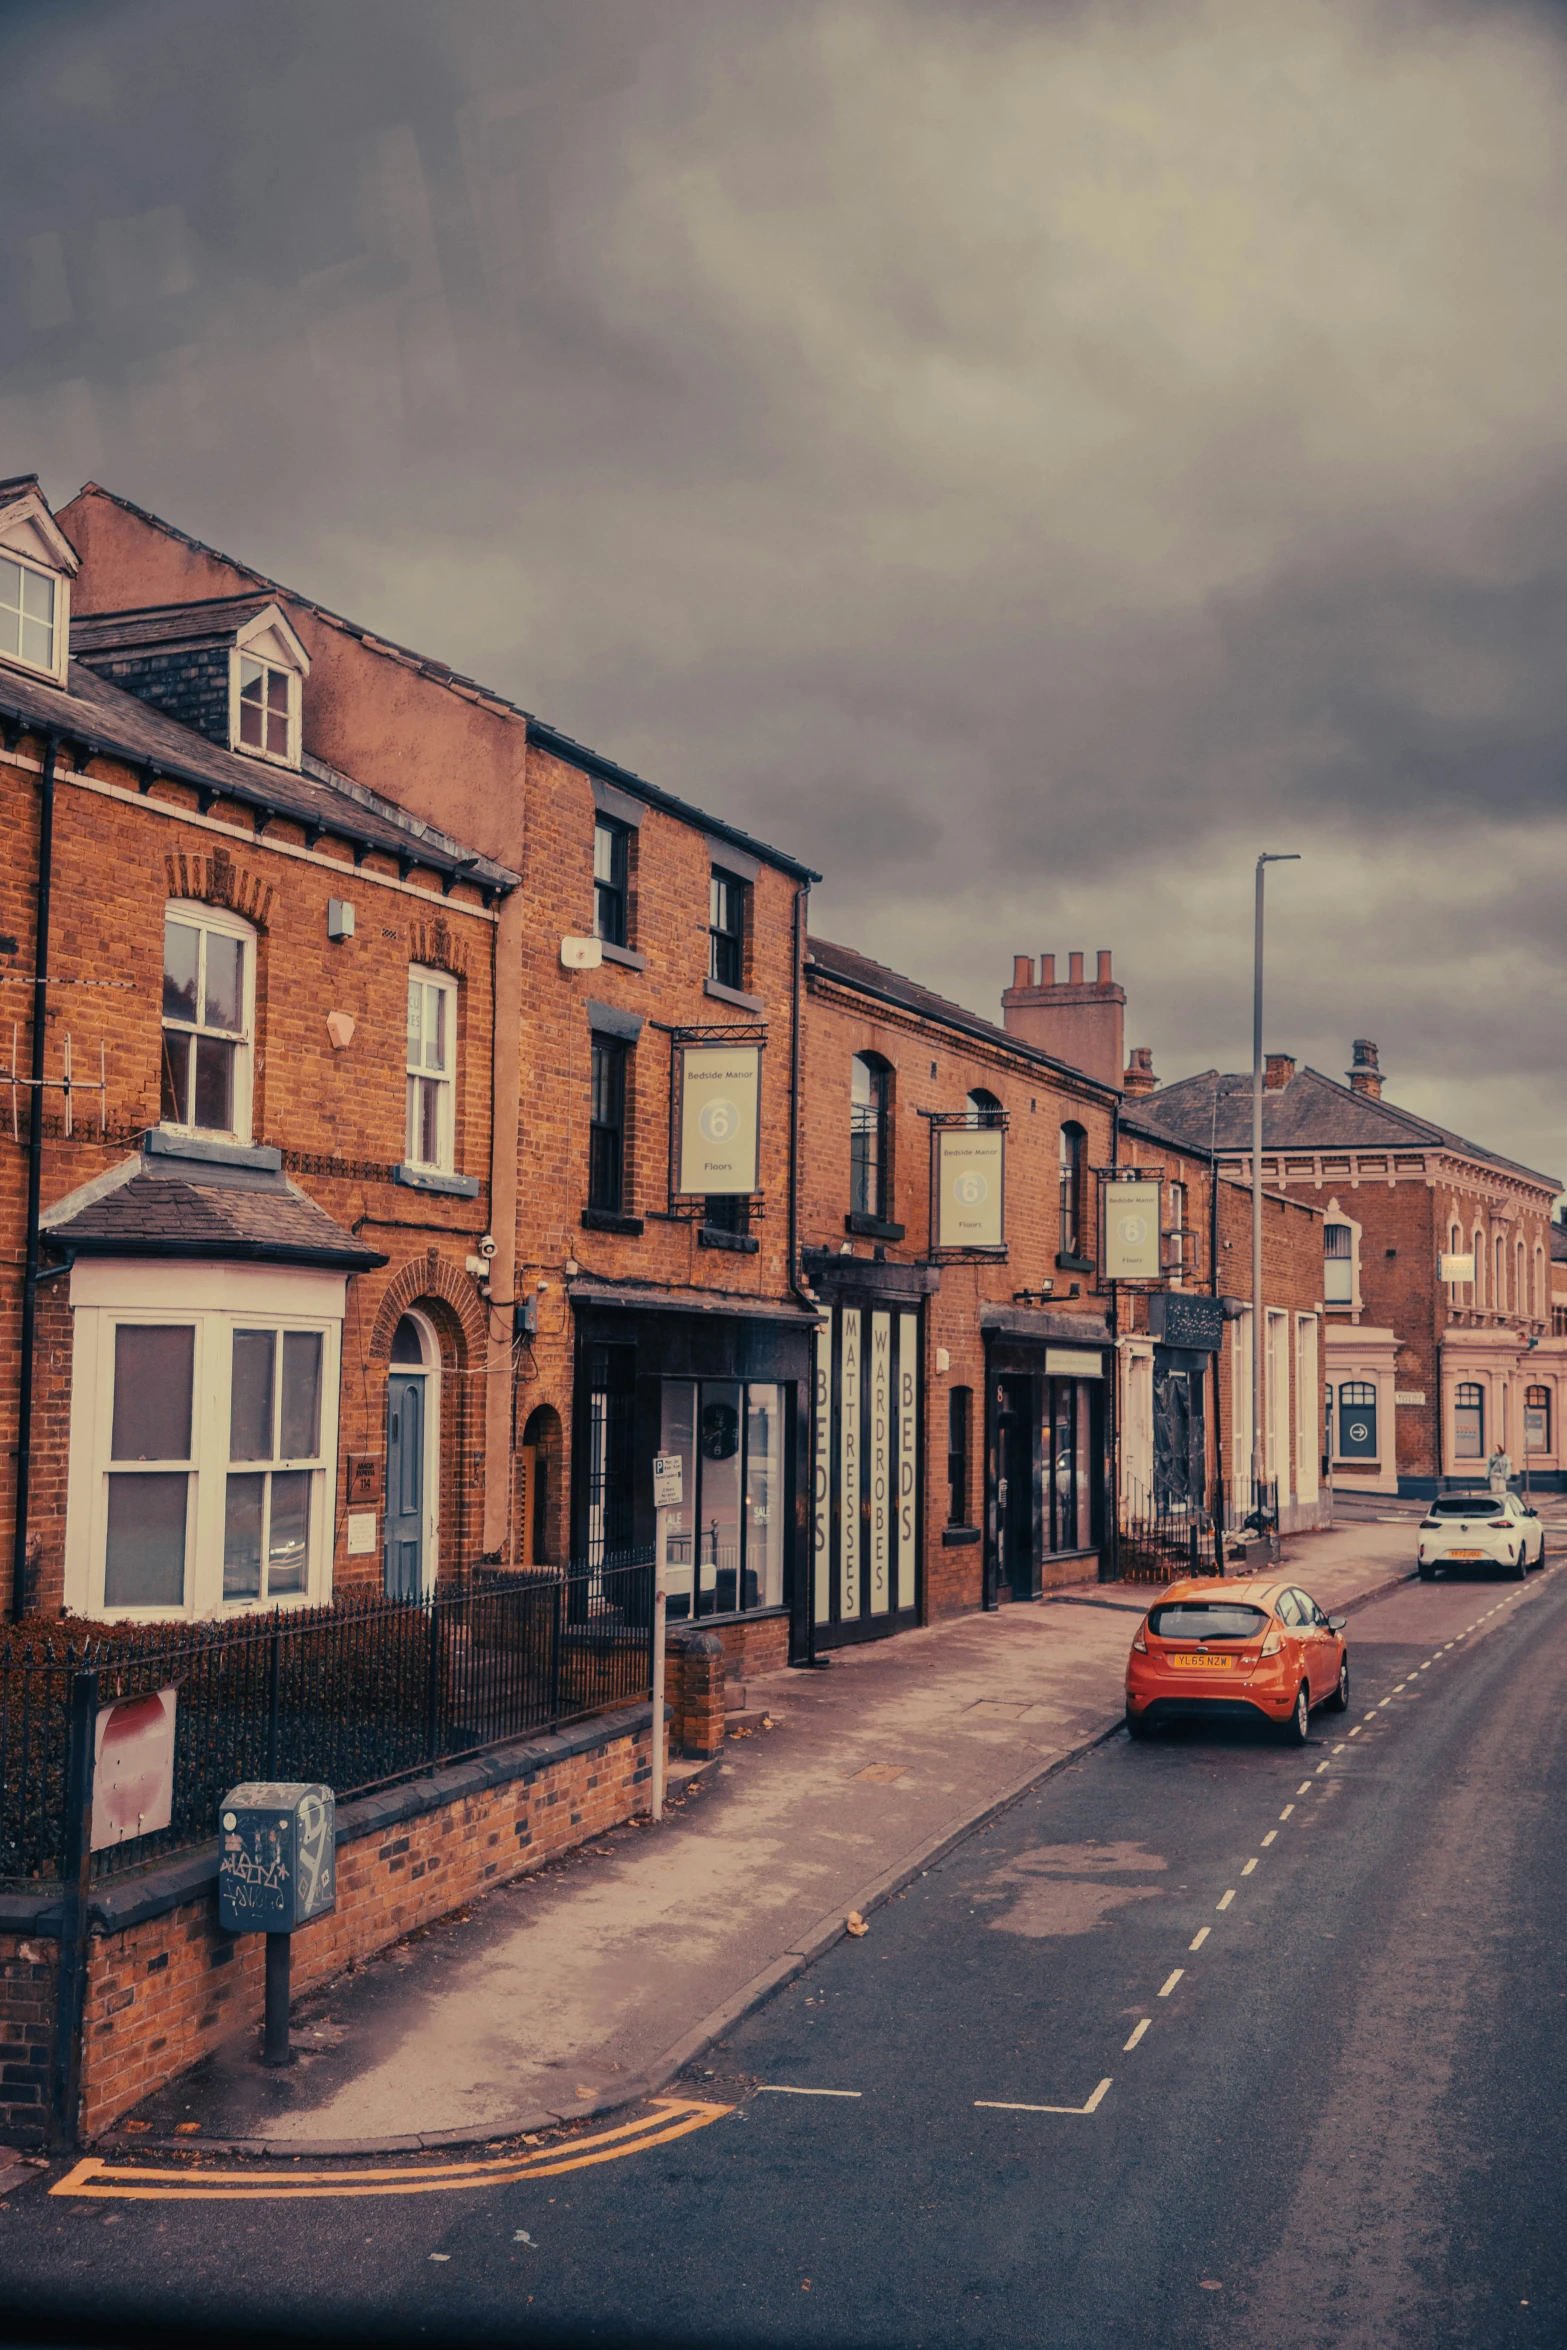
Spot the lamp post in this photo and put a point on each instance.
(1258, 1319)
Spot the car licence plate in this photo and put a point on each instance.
(1466, 1554)
(1202, 1664)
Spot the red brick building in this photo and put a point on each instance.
(257, 1207)
(1439, 1344)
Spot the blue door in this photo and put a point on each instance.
(405, 1486)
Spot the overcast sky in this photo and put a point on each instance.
(1021, 458)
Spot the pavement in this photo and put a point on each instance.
(1202, 2044)
(584, 1985)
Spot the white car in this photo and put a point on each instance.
(1481, 1529)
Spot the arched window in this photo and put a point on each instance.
(1536, 1419)
(1499, 1296)
(983, 1108)
(1538, 1306)
(209, 994)
(870, 1097)
(1469, 1421)
(1479, 1256)
(1072, 1235)
(1338, 1266)
(1520, 1280)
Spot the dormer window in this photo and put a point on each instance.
(27, 621)
(264, 713)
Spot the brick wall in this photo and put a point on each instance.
(164, 1992)
(192, 686)
(27, 2003)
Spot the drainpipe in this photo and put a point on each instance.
(803, 1623)
(501, 1305)
(1110, 1568)
(796, 1282)
(35, 1169)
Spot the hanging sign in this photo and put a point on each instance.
(1131, 1242)
(720, 1110)
(970, 1186)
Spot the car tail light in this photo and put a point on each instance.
(1274, 1642)
(1138, 1642)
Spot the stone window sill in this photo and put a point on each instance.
(732, 995)
(744, 1244)
(1067, 1263)
(956, 1537)
(624, 955)
(606, 1220)
(872, 1227)
(428, 1179)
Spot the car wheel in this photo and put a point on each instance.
(1521, 1571)
(1299, 1723)
(1540, 1555)
(1426, 1574)
(1338, 1703)
(1138, 1725)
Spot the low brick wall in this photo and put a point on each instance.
(27, 2002)
(165, 1984)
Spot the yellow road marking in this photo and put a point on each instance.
(671, 2118)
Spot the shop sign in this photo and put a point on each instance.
(720, 1109)
(1073, 1362)
(1131, 1238)
(970, 1187)
(1409, 1395)
(1456, 1268)
(1178, 1317)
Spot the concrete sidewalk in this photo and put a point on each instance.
(595, 1979)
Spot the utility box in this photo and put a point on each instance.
(277, 1854)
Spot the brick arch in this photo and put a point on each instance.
(447, 1296)
(216, 880)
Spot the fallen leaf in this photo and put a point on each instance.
(768, 1723)
(856, 1924)
(1211, 2284)
(184, 2129)
(136, 2125)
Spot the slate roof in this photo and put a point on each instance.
(1559, 1244)
(858, 971)
(1311, 1113)
(210, 620)
(549, 738)
(91, 711)
(147, 1207)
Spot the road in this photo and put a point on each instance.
(1325, 1988)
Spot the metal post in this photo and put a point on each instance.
(1258, 1318)
(275, 2049)
(274, 1695)
(660, 1556)
(75, 1871)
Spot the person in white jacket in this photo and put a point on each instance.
(1499, 1470)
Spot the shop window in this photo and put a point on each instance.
(1357, 1420)
(870, 1094)
(607, 1127)
(208, 1010)
(1536, 1419)
(960, 1417)
(1073, 1140)
(725, 1542)
(208, 1462)
(1338, 1267)
(1469, 1420)
(611, 1406)
(726, 929)
(611, 879)
(432, 1057)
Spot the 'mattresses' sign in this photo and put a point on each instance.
(1131, 1211)
(720, 1109)
(970, 1187)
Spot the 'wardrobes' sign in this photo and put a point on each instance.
(720, 1110)
(970, 1193)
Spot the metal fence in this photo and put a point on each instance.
(1161, 1540)
(358, 1695)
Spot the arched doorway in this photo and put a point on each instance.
(413, 1438)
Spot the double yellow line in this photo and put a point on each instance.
(668, 2118)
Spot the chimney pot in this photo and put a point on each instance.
(1280, 1069)
(1022, 970)
(1047, 970)
(1074, 971)
(1366, 1074)
(1104, 965)
(1139, 1076)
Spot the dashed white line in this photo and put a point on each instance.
(1268, 1839)
(1137, 2034)
(1199, 1938)
(1304, 1788)
(1285, 1813)
(1228, 1898)
(1166, 1988)
(1321, 1767)
(1340, 1747)
(1248, 1866)
(1355, 1733)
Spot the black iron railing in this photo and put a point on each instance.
(1162, 1539)
(358, 1695)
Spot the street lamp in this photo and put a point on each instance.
(1258, 1319)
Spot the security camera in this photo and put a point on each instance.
(487, 1245)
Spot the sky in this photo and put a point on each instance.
(1022, 458)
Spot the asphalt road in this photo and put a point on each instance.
(1336, 2123)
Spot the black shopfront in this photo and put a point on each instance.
(1047, 1442)
(725, 1385)
(1187, 1329)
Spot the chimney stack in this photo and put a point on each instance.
(1366, 1075)
(1139, 1076)
(1280, 1069)
(1076, 1020)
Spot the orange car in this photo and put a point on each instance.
(1246, 1649)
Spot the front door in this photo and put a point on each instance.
(405, 1417)
(1015, 1484)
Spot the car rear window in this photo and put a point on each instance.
(1469, 1505)
(1206, 1619)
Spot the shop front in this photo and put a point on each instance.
(724, 1384)
(1048, 1440)
(867, 1519)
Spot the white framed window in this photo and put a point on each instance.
(1340, 1259)
(203, 1438)
(29, 615)
(264, 709)
(209, 995)
(432, 1061)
